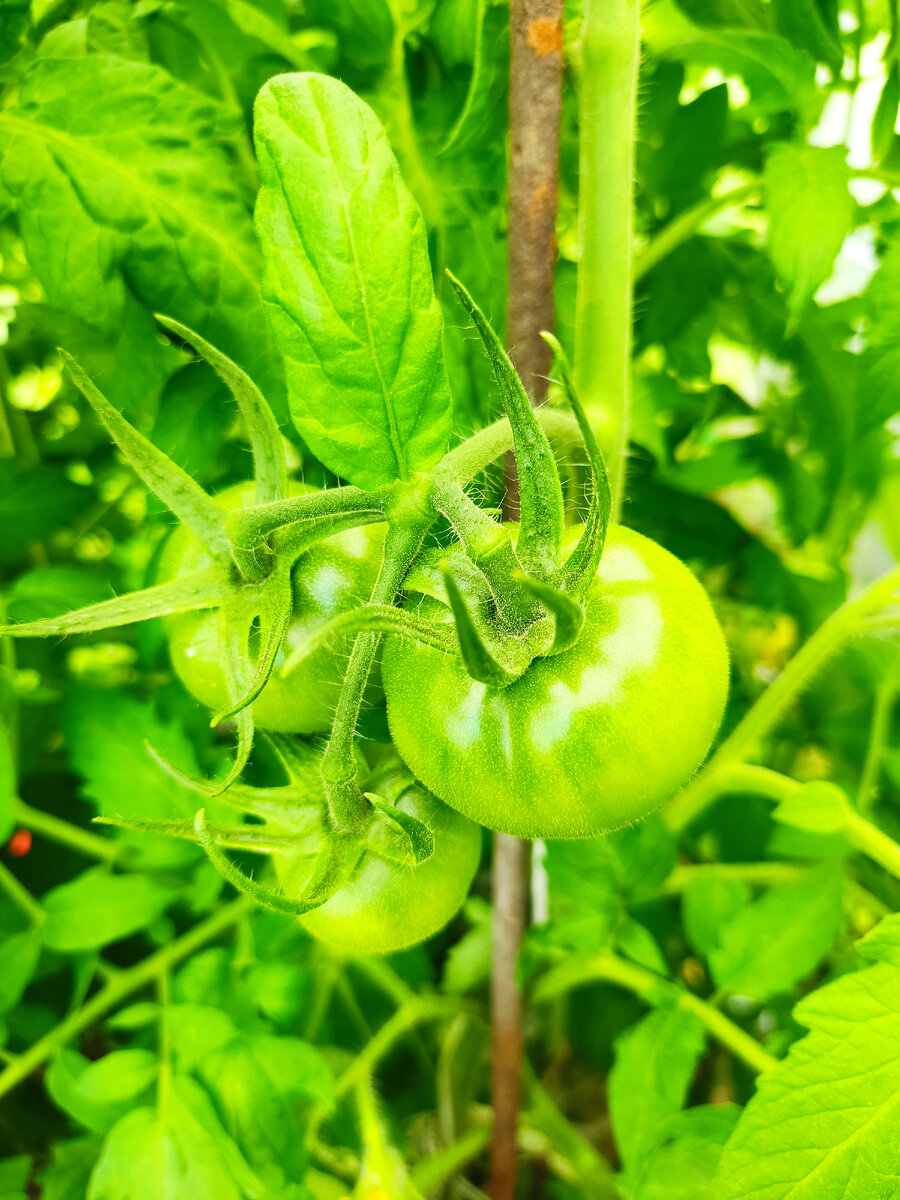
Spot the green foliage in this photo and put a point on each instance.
(711, 994)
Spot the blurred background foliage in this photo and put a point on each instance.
(765, 452)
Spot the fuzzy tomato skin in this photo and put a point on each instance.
(385, 906)
(587, 740)
(334, 575)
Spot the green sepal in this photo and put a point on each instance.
(202, 589)
(373, 618)
(174, 487)
(478, 659)
(235, 632)
(332, 867)
(257, 839)
(416, 832)
(269, 466)
(579, 569)
(542, 515)
(567, 613)
(285, 804)
(276, 606)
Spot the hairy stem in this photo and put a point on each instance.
(607, 98)
(119, 988)
(347, 805)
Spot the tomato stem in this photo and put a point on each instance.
(607, 101)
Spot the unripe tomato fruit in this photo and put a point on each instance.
(587, 740)
(386, 906)
(334, 575)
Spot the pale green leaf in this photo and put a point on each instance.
(166, 1156)
(348, 284)
(823, 1125)
(683, 1165)
(882, 944)
(810, 213)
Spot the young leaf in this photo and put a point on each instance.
(348, 284)
(810, 213)
(824, 1122)
(882, 944)
(181, 1150)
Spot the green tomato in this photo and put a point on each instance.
(386, 905)
(587, 740)
(333, 576)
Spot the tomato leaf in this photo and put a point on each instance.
(655, 1061)
(348, 284)
(811, 211)
(121, 187)
(97, 908)
(822, 1123)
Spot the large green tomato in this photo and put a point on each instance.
(386, 906)
(333, 576)
(587, 740)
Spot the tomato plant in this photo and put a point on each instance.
(402, 407)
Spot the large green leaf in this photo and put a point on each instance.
(348, 284)
(823, 1126)
(810, 213)
(179, 1152)
(122, 186)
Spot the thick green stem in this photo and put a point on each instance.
(607, 99)
(760, 781)
(755, 874)
(656, 991)
(120, 988)
(347, 805)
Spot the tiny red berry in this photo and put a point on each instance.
(20, 843)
